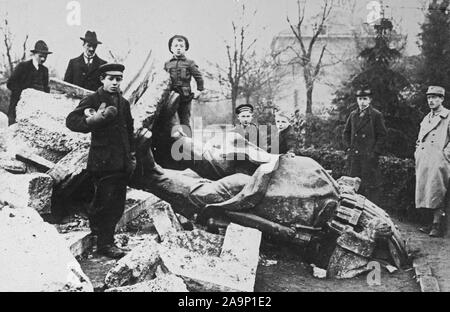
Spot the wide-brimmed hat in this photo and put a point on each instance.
(436, 90)
(180, 37)
(90, 37)
(111, 69)
(41, 47)
(244, 108)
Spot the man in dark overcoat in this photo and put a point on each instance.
(106, 115)
(83, 70)
(29, 74)
(364, 135)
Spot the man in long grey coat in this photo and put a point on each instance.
(433, 162)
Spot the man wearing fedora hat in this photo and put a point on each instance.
(364, 135)
(28, 74)
(432, 157)
(83, 70)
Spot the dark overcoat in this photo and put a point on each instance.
(112, 144)
(250, 133)
(364, 137)
(82, 75)
(22, 78)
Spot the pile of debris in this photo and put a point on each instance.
(42, 163)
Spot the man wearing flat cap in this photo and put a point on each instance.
(246, 127)
(106, 115)
(29, 74)
(83, 70)
(364, 135)
(432, 157)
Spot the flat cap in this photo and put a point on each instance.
(436, 90)
(244, 108)
(363, 92)
(111, 69)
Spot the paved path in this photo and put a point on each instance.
(434, 251)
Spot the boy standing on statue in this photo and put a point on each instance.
(181, 71)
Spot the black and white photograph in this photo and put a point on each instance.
(224, 151)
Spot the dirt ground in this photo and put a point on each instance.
(289, 274)
(281, 270)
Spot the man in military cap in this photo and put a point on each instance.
(83, 70)
(433, 163)
(246, 127)
(106, 115)
(363, 135)
(29, 74)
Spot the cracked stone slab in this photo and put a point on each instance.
(32, 190)
(35, 257)
(209, 262)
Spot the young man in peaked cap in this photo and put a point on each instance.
(246, 127)
(29, 74)
(111, 161)
(364, 135)
(432, 157)
(83, 70)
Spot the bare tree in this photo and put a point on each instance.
(10, 59)
(303, 54)
(261, 81)
(239, 51)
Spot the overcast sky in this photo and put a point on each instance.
(147, 24)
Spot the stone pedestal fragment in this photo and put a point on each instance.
(34, 257)
(32, 190)
(207, 264)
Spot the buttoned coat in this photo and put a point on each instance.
(78, 73)
(112, 144)
(364, 136)
(181, 71)
(250, 133)
(432, 158)
(21, 79)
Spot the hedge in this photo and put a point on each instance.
(398, 179)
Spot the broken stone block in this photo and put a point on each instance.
(3, 121)
(162, 283)
(34, 257)
(136, 202)
(138, 265)
(70, 90)
(206, 263)
(41, 123)
(164, 219)
(32, 190)
(12, 165)
(346, 264)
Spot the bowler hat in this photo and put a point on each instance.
(111, 69)
(90, 37)
(244, 107)
(364, 91)
(436, 90)
(41, 47)
(180, 37)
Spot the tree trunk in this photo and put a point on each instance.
(233, 105)
(309, 92)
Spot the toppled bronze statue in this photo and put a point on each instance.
(292, 199)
